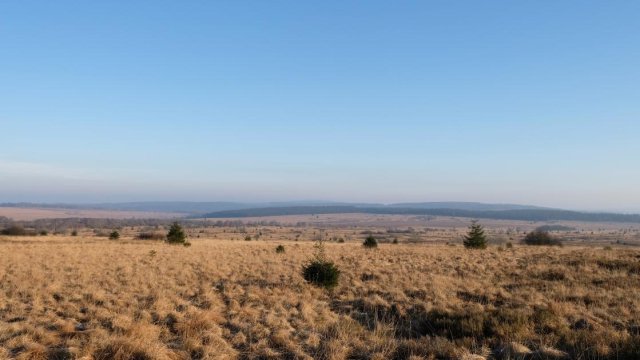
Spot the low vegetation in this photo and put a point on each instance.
(150, 235)
(320, 271)
(538, 237)
(85, 297)
(548, 228)
(15, 230)
(370, 242)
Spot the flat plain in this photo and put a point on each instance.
(224, 297)
(33, 213)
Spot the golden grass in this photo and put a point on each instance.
(91, 298)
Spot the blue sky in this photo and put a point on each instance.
(494, 101)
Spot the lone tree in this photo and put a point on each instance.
(176, 235)
(475, 238)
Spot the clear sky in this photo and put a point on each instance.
(534, 102)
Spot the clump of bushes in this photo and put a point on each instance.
(44, 233)
(475, 238)
(552, 275)
(395, 240)
(320, 271)
(247, 238)
(15, 230)
(148, 235)
(114, 235)
(176, 234)
(100, 233)
(538, 237)
(74, 233)
(370, 242)
(280, 249)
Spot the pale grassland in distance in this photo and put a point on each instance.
(84, 297)
(20, 214)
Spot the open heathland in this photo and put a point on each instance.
(88, 297)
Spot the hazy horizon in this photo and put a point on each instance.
(493, 102)
(303, 201)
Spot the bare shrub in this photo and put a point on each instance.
(150, 235)
(15, 230)
(538, 237)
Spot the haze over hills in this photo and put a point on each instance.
(452, 209)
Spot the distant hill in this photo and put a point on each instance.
(222, 209)
(535, 214)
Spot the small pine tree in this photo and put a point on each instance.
(319, 253)
(115, 235)
(176, 235)
(320, 271)
(475, 238)
(370, 242)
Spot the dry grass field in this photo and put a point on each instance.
(85, 297)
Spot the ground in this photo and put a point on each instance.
(88, 297)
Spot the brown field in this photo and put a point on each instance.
(87, 297)
(413, 229)
(21, 214)
(384, 220)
